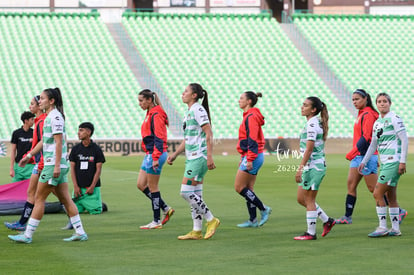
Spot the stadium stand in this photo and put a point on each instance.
(367, 51)
(76, 53)
(230, 54)
(227, 54)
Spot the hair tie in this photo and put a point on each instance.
(361, 92)
(153, 98)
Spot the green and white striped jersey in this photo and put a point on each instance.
(385, 130)
(195, 138)
(54, 124)
(313, 131)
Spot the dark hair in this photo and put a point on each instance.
(36, 99)
(321, 108)
(87, 125)
(26, 115)
(253, 97)
(366, 95)
(148, 94)
(54, 93)
(201, 93)
(384, 94)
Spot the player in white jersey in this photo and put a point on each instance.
(312, 168)
(54, 175)
(198, 146)
(389, 137)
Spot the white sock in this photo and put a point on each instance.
(199, 191)
(77, 224)
(394, 217)
(195, 201)
(197, 220)
(382, 216)
(321, 214)
(311, 217)
(32, 225)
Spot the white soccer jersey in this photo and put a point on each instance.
(54, 124)
(313, 131)
(385, 130)
(195, 138)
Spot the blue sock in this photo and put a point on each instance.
(250, 196)
(27, 211)
(252, 211)
(155, 198)
(349, 205)
(147, 192)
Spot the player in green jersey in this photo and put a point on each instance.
(198, 146)
(312, 168)
(389, 137)
(54, 175)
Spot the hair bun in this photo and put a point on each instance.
(259, 94)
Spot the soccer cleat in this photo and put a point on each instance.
(403, 214)
(344, 220)
(15, 226)
(305, 237)
(328, 226)
(68, 226)
(77, 237)
(265, 215)
(152, 225)
(379, 232)
(248, 223)
(167, 215)
(192, 235)
(211, 228)
(393, 232)
(21, 238)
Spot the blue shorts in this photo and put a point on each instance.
(257, 163)
(35, 170)
(147, 164)
(370, 168)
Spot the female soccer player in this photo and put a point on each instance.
(31, 190)
(54, 175)
(390, 139)
(250, 146)
(154, 143)
(198, 146)
(312, 168)
(367, 115)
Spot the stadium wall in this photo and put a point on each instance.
(287, 147)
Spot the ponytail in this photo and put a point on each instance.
(54, 93)
(201, 93)
(324, 121)
(323, 110)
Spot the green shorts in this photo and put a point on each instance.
(312, 178)
(195, 169)
(47, 175)
(90, 203)
(389, 174)
(22, 173)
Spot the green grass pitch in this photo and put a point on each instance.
(116, 245)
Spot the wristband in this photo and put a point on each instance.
(29, 156)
